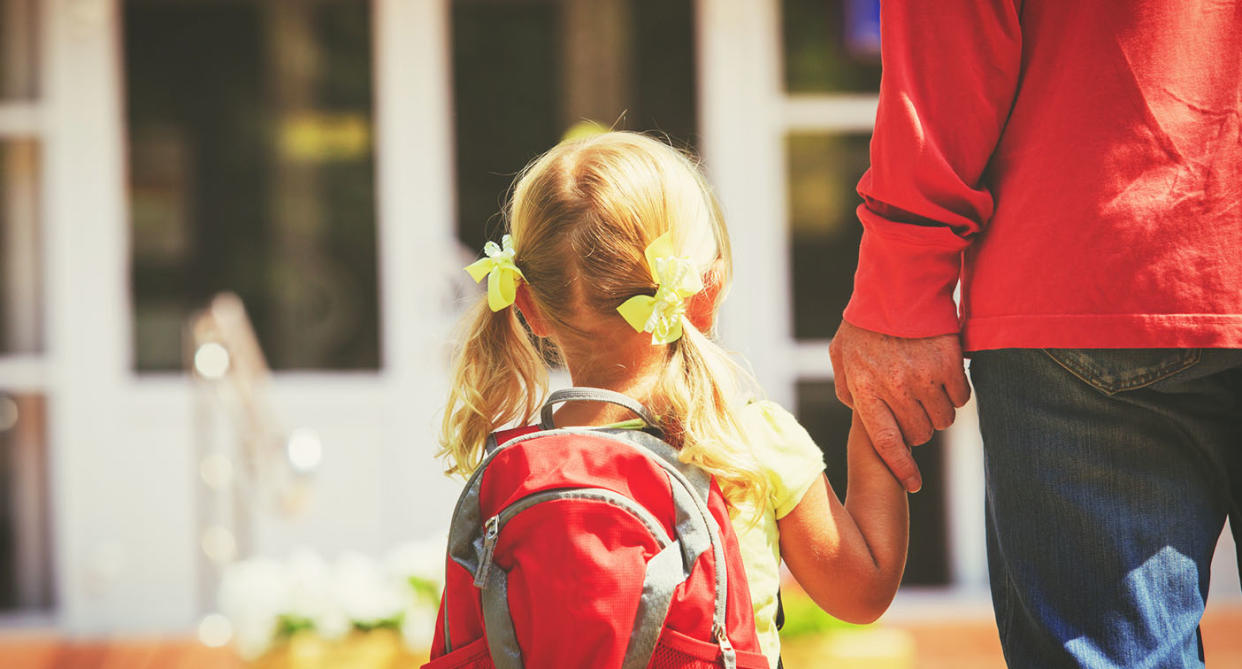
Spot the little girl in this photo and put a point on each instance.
(617, 259)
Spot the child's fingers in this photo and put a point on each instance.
(886, 438)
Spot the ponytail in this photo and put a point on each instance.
(697, 399)
(499, 377)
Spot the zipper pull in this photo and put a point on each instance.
(491, 529)
(728, 655)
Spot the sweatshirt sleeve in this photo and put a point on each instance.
(950, 75)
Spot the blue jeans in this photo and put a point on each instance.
(1109, 477)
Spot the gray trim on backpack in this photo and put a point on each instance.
(498, 624)
(592, 395)
(490, 444)
(665, 571)
(663, 575)
(592, 494)
(698, 480)
(691, 533)
(448, 643)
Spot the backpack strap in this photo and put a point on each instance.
(780, 611)
(495, 439)
(592, 395)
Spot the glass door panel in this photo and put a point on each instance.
(251, 170)
(526, 72)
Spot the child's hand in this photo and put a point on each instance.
(850, 558)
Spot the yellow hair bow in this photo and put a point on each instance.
(677, 278)
(501, 272)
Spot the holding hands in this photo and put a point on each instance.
(902, 389)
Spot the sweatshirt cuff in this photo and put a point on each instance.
(904, 288)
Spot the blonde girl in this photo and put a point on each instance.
(616, 259)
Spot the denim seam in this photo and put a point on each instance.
(1141, 381)
(1005, 624)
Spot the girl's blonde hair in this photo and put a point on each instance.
(581, 217)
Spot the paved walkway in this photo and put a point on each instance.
(907, 644)
(964, 643)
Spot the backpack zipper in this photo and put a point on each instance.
(727, 653)
(491, 529)
(493, 525)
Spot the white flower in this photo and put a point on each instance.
(311, 596)
(423, 560)
(419, 626)
(363, 591)
(356, 590)
(253, 594)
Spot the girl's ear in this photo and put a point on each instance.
(701, 307)
(534, 317)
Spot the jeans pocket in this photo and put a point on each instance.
(1112, 371)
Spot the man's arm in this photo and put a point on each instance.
(951, 72)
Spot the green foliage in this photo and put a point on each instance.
(803, 617)
(425, 589)
(287, 625)
(393, 623)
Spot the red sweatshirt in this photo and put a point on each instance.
(1076, 163)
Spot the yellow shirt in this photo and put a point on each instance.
(793, 463)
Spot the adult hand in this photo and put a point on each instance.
(902, 389)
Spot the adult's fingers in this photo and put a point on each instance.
(888, 443)
(916, 426)
(939, 408)
(839, 381)
(957, 387)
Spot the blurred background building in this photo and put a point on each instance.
(335, 163)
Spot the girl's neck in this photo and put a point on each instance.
(633, 375)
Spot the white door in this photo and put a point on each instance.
(137, 179)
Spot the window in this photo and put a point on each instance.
(833, 46)
(250, 145)
(25, 564)
(25, 550)
(19, 64)
(25, 575)
(525, 72)
(823, 169)
(21, 269)
(832, 79)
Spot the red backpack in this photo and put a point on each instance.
(592, 547)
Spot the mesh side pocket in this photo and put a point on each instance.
(665, 657)
(676, 650)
